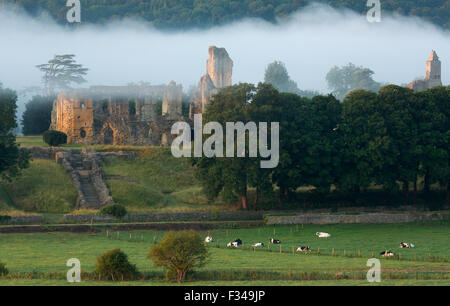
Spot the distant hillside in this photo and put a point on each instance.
(182, 14)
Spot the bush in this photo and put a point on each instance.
(179, 253)
(114, 265)
(4, 218)
(116, 210)
(37, 117)
(54, 138)
(3, 270)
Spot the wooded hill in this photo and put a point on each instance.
(182, 14)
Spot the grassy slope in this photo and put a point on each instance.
(156, 182)
(43, 187)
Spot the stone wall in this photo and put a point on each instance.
(194, 216)
(403, 217)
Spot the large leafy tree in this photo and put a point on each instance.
(433, 117)
(12, 160)
(179, 253)
(277, 75)
(398, 106)
(61, 71)
(227, 176)
(363, 140)
(37, 116)
(342, 80)
(320, 140)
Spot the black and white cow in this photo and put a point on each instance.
(387, 254)
(303, 249)
(209, 239)
(258, 245)
(274, 241)
(235, 243)
(406, 245)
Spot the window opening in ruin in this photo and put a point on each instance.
(82, 105)
(108, 136)
(82, 133)
(132, 108)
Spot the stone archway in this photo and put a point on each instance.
(108, 136)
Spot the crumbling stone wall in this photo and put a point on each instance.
(119, 115)
(219, 71)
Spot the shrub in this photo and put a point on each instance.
(3, 270)
(115, 210)
(114, 265)
(5, 218)
(179, 253)
(54, 138)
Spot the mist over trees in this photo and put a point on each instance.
(277, 75)
(207, 13)
(61, 71)
(37, 116)
(342, 80)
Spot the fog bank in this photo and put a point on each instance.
(310, 42)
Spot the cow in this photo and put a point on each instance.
(274, 241)
(387, 254)
(235, 243)
(323, 235)
(303, 249)
(209, 239)
(258, 244)
(406, 245)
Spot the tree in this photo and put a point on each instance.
(12, 160)
(54, 138)
(179, 253)
(227, 176)
(277, 75)
(434, 136)
(363, 140)
(398, 106)
(114, 265)
(61, 71)
(38, 115)
(342, 80)
(320, 158)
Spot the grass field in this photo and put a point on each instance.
(43, 187)
(47, 253)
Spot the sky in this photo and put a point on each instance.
(310, 42)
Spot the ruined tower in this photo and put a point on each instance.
(433, 76)
(219, 71)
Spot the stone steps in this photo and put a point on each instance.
(87, 187)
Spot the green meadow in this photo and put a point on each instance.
(37, 258)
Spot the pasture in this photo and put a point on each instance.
(41, 258)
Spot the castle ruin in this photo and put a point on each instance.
(135, 115)
(118, 115)
(219, 71)
(433, 76)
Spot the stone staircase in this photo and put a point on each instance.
(86, 185)
(88, 189)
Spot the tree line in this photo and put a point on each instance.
(176, 14)
(395, 139)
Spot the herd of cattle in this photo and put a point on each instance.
(238, 242)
